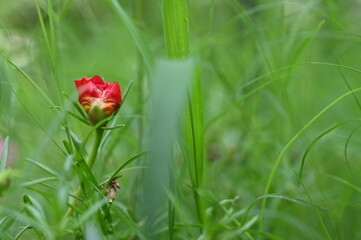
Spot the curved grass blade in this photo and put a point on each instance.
(315, 141)
(283, 197)
(346, 146)
(23, 229)
(253, 91)
(288, 145)
(233, 234)
(333, 65)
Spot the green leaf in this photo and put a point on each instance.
(315, 141)
(113, 127)
(39, 181)
(295, 137)
(91, 211)
(68, 146)
(77, 106)
(43, 167)
(81, 119)
(21, 232)
(126, 163)
(176, 28)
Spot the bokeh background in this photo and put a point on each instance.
(267, 69)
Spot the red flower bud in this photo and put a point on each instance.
(98, 98)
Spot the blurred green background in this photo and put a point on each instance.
(267, 68)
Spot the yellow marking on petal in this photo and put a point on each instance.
(109, 108)
(86, 103)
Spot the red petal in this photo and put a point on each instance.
(81, 82)
(113, 92)
(95, 87)
(86, 88)
(98, 81)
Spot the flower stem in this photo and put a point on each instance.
(98, 138)
(93, 156)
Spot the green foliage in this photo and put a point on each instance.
(239, 120)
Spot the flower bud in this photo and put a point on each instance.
(98, 98)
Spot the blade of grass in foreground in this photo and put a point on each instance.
(168, 97)
(176, 28)
(176, 34)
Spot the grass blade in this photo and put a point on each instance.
(176, 28)
(288, 145)
(314, 142)
(43, 167)
(136, 34)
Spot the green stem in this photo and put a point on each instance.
(98, 138)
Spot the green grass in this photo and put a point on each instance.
(240, 120)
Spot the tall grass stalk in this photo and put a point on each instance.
(176, 35)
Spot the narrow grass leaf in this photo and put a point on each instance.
(38, 181)
(38, 121)
(81, 119)
(6, 222)
(346, 147)
(176, 28)
(127, 163)
(22, 231)
(314, 142)
(233, 234)
(136, 34)
(43, 167)
(343, 181)
(295, 137)
(113, 127)
(37, 87)
(76, 105)
(318, 214)
(280, 196)
(91, 211)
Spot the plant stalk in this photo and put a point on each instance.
(98, 138)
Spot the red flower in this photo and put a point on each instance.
(95, 94)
